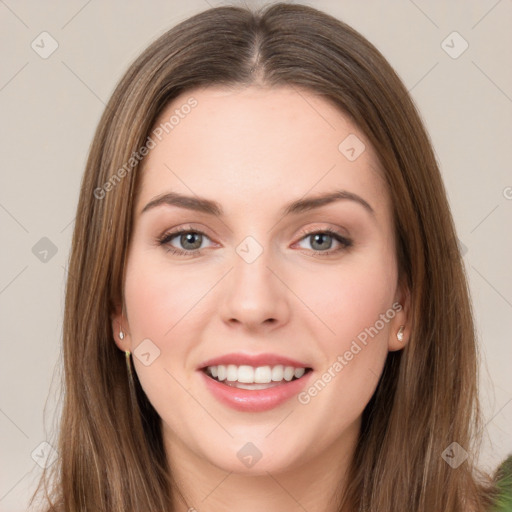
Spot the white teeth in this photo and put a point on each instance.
(251, 386)
(262, 375)
(221, 372)
(231, 372)
(288, 373)
(277, 373)
(299, 372)
(245, 374)
(255, 375)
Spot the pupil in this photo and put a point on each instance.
(321, 236)
(189, 238)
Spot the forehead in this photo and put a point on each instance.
(242, 143)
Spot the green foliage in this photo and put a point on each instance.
(504, 484)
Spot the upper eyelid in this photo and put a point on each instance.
(169, 235)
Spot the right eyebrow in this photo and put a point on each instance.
(189, 202)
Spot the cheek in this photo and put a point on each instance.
(350, 298)
(356, 304)
(165, 304)
(158, 296)
(157, 300)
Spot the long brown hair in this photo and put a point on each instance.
(111, 454)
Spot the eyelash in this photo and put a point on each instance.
(167, 237)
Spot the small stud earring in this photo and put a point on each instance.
(121, 335)
(400, 333)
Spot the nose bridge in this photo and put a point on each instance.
(254, 295)
(251, 265)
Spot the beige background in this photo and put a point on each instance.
(50, 108)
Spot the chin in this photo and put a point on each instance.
(256, 458)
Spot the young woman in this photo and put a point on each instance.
(266, 306)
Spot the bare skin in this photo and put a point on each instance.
(254, 150)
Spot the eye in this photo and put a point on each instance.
(190, 239)
(321, 242)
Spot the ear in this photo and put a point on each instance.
(120, 325)
(402, 308)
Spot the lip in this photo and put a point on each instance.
(257, 400)
(255, 360)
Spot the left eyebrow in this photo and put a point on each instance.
(211, 207)
(309, 203)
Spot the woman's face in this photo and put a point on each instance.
(265, 276)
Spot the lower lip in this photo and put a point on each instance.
(257, 400)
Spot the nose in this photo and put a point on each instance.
(254, 297)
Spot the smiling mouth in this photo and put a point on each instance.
(255, 378)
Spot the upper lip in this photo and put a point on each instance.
(255, 360)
